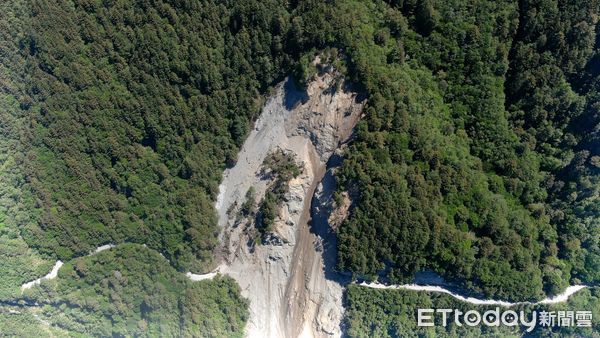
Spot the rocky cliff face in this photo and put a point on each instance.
(286, 280)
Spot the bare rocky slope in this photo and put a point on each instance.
(289, 291)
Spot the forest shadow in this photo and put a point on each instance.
(321, 207)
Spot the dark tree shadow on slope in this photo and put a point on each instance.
(293, 94)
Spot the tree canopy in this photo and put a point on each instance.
(478, 156)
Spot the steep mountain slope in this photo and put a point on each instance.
(451, 180)
(283, 274)
(477, 155)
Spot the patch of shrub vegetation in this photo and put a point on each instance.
(280, 167)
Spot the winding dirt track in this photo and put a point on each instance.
(563, 297)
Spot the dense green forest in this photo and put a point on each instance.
(134, 112)
(25, 324)
(133, 291)
(116, 123)
(478, 156)
(393, 313)
(19, 263)
(129, 290)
